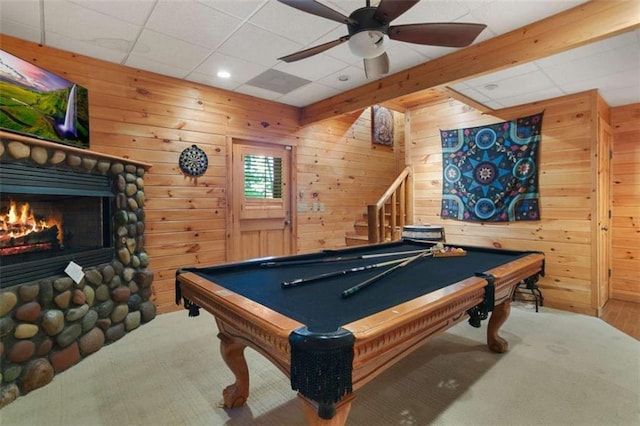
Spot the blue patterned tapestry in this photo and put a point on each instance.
(490, 173)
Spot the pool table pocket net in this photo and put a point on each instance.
(321, 364)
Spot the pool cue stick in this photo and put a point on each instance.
(338, 259)
(299, 281)
(348, 292)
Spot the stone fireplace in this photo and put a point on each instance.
(62, 206)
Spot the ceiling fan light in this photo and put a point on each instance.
(367, 44)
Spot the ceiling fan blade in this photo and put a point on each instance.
(376, 67)
(388, 10)
(447, 34)
(313, 50)
(318, 9)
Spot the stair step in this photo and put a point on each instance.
(353, 239)
(361, 228)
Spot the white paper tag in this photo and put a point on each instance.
(75, 272)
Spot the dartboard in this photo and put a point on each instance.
(193, 161)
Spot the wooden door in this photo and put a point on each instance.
(604, 212)
(261, 219)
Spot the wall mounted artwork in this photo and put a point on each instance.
(38, 103)
(381, 125)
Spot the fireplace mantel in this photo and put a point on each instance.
(9, 137)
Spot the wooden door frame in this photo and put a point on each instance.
(604, 210)
(600, 217)
(293, 191)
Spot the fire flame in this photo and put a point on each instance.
(20, 221)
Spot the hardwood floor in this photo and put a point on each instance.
(625, 316)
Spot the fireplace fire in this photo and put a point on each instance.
(45, 231)
(23, 231)
(49, 217)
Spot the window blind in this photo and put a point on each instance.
(262, 177)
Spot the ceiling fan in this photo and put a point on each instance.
(368, 26)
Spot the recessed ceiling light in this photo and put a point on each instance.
(491, 86)
(224, 74)
(343, 77)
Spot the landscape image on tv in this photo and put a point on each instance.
(37, 103)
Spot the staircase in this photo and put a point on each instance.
(384, 220)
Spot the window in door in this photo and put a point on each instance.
(263, 187)
(262, 177)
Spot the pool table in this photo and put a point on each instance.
(329, 343)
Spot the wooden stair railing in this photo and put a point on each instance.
(399, 199)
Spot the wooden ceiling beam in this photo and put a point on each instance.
(581, 25)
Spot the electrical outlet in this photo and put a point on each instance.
(303, 207)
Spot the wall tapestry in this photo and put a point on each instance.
(490, 173)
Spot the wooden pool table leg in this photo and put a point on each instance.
(310, 411)
(498, 317)
(232, 352)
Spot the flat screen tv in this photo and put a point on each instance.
(38, 103)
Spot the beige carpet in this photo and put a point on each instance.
(562, 369)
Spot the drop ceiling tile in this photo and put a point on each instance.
(256, 45)
(508, 73)
(213, 80)
(431, 52)
(340, 52)
(402, 57)
(240, 9)
(24, 32)
(354, 74)
(535, 96)
(85, 48)
(241, 70)
(346, 7)
(494, 104)
(475, 4)
(144, 63)
(627, 40)
(621, 96)
(591, 67)
(196, 24)
(432, 11)
(459, 85)
(136, 12)
(166, 50)
(502, 16)
(292, 23)
(77, 22)
(312, 68)
(471, 93)
(20, 12)
(308, 94)
(517, 85)
(626, 79)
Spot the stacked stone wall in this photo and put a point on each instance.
(49, 325)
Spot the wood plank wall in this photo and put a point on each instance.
(151, 118)
(564, 232)
(625, 279)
